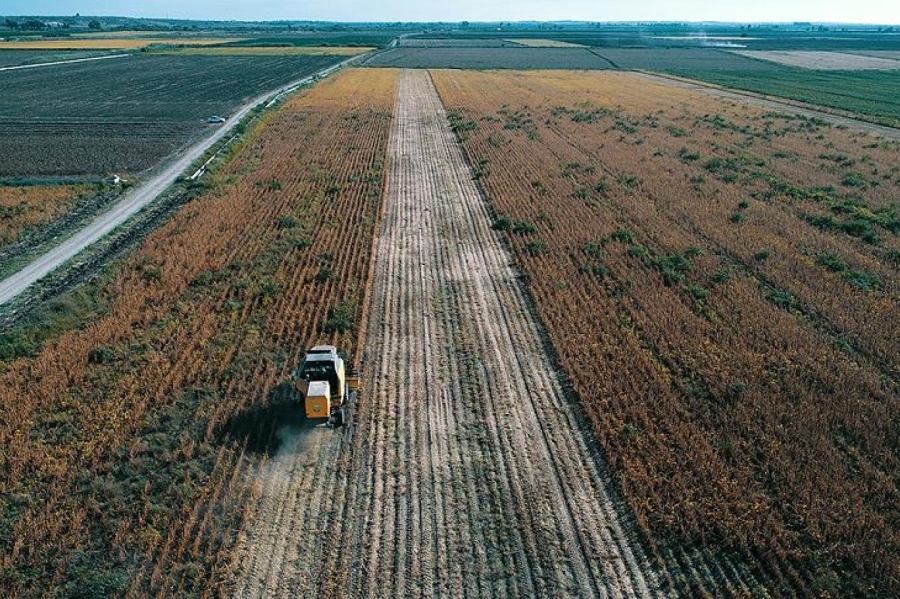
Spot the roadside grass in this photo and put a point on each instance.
(72, 310)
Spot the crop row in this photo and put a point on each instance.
(737, 360)
(129, 444)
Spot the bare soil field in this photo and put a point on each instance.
(473, 53)
(492, 58)
(823, 61)
(467, 471)
(79, 118)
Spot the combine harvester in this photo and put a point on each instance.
(325, 389)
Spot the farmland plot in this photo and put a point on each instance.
(708, 59)
(441, 42)
(129, 445)
(720, 284)
(80, 118)
(12, 58)
(544, 43)
(872, 95)
(824, 61)
(108, 43)
(491, 58)
(270, 51)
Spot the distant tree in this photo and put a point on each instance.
(94, 24)
(33, 25)
(10, 24)
(464, 25)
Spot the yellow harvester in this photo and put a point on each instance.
(325, 389)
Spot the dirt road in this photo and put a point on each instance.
(467, 472)
(136, 198)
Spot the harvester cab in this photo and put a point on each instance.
(325, 389)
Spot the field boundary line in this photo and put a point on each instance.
(59, 62)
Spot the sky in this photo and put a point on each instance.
(848, 11)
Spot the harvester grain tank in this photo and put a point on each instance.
(325, 389)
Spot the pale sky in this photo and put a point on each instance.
(850, 11)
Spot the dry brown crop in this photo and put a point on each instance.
(33, 205)
(721, 286)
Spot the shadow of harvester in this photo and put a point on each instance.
(258, 425)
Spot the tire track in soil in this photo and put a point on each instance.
(466, 472)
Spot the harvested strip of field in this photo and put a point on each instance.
(130, 443)
(466, 472)
(109, 43)
(272, 51)
(30, 206)
(720, 282)
(543, 43)
(823, 61)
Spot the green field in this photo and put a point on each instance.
(873, 94)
